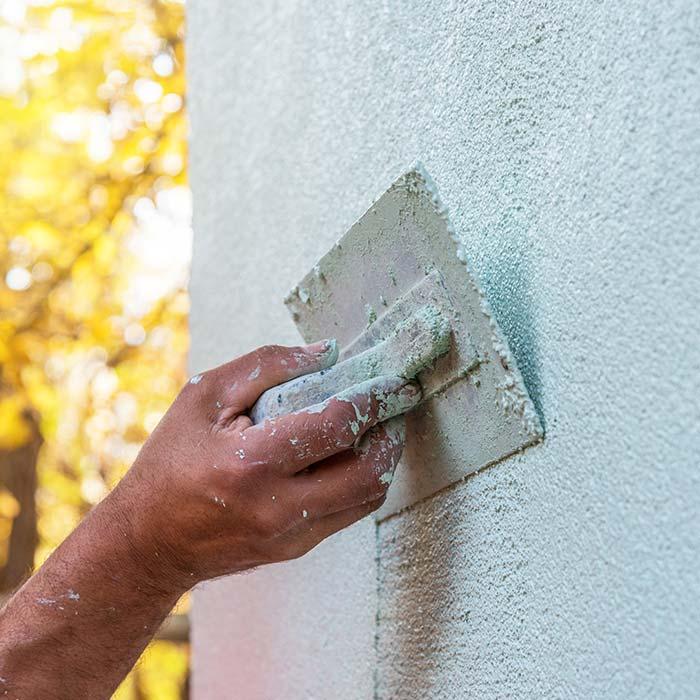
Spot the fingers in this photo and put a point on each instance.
(239, 383)
(353, 477)
(294, 441)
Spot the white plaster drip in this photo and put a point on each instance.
(418, 179)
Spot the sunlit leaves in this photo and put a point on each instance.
(14, 430)
(94, 250)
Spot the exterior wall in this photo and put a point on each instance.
(565, 137)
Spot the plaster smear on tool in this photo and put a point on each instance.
(512, 396)
(429, 319)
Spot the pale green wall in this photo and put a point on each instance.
(565, 136)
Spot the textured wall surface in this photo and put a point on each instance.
(565, 137)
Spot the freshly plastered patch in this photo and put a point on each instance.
(400, 260)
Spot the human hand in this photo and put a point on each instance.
(211, 493)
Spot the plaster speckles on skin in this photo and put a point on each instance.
(361, 419)
(386, 478)
(240, 453)
(196, 379)
(254, 374)
(69, 595)
(219, 501)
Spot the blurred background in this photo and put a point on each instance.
(95, 240)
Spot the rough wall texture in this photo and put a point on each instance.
(565, 136)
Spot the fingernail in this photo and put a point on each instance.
(327, 351)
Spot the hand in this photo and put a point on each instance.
(211, 493)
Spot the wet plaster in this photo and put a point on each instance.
(565, 138)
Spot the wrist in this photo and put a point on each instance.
(148, 557)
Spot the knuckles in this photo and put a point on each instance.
(268, 353)
(264, 525)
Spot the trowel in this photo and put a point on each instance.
(397, 294)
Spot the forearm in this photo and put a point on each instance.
(79, 624)
(210, 494)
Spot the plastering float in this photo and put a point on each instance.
(397, 295)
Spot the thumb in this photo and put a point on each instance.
(247, 377)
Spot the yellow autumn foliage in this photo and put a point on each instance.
(94, 250)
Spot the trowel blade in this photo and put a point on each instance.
(481, 412)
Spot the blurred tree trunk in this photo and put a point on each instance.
(19, 476)
(185, 692)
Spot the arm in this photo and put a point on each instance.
(209, 494)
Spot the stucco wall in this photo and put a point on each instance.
(565, 136)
